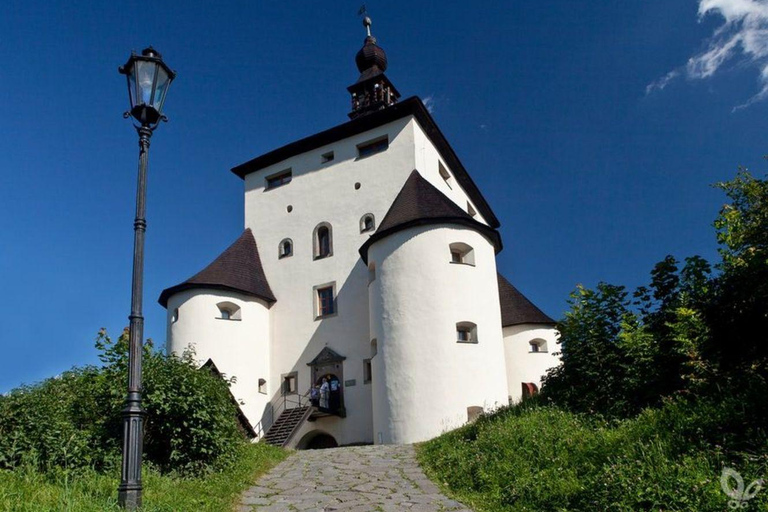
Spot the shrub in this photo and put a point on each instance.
(74, 420)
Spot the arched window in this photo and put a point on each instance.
(323, 241)
(538, 345)
(286, 248)
(229, 311)
(462, 253)
(466, 332)
(367, 223)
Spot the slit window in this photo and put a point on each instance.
(286, 248)
(367, 223)
(263, 386)
(366, 371)
(279, 179)
(470, 210)
(326, 157)
(462, 253)
(372, 147)
(466, 332)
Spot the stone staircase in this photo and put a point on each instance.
(289, 420)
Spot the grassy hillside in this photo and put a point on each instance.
(537, 458)
(85, 490)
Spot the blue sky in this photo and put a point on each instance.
(594, 129)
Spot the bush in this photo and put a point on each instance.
(541, 458)
(74, 420)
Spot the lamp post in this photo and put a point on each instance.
(148, 81)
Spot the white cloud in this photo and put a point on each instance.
(429, 103)
(743, 36)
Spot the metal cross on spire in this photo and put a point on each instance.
(366, 19)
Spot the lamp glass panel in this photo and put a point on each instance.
(132, 86)
(161, 87)
(145, 75)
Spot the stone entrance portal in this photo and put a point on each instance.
(329, 365)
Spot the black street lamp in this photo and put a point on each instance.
(148, 81)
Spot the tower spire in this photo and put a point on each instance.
(373, 91)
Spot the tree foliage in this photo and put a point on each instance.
(74, 420)
(690, 332)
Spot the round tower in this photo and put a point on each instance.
(222, 315)
(435, 317)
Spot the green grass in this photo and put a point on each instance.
(26, 490)
(544, 459)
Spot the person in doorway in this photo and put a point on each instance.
(324, 391)
(334, 400)
(314, 395)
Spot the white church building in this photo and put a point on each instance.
(368, 262)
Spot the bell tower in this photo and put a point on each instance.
(373, 91)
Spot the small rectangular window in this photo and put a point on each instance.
(290, 383)
(444, 174)
(471, 211)
(263, 386)
(326, 157)
(366, 371)
(325, 302)
(372, 147)
(279, 179)
(466, 332)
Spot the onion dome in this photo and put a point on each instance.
(371, 59)
(373, 91)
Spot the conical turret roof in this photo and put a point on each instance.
(237, 269)
(516, 309)
(419, 203)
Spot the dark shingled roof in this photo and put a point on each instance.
(237, 269)
(408, 107)
(517, 309)
(420, 203)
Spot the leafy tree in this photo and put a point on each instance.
(687, 332)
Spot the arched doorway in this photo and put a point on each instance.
(329, 365)
(317, 440)
(334, 392)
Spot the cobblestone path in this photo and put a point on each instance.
(382, 478)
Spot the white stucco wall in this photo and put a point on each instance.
(239, 349)
(424, 380)
(270, 343)
(325, 192)
(524, 365)
(427, 162)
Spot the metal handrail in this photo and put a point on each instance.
(295, 399)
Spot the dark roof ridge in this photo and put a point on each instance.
(420, 203)
(410, 106)
(236, 269)
(517, 309)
